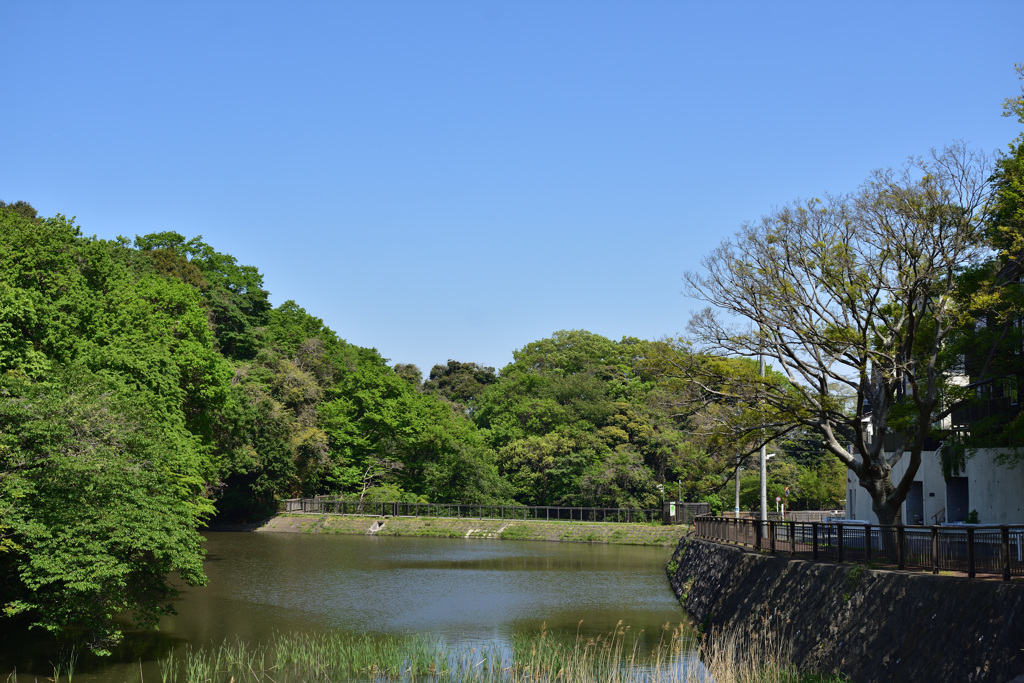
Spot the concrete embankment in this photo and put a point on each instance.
(579, 532)
(872, 625)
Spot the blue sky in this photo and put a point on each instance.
(456, 179)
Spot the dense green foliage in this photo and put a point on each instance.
(994, 333)
(107, 375)
(148, 385)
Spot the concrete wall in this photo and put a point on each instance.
(573, 532)
(995, 491)
(871, 625)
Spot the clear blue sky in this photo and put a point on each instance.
(455, 179)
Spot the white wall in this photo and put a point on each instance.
(996, 492)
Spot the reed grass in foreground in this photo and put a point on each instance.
(673, 656)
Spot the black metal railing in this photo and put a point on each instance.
(791, 515)
(972, 550)
(336, 506)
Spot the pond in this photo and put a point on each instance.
(458, 590)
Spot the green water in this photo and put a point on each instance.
(462, 591)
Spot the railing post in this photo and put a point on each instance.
(970, 553)
(792, 539)
(1005, 533)
(935, 550)
(867, 542)
(758, 533)
(771, 535)
(839, 540)
(814, 540)
(900, 543)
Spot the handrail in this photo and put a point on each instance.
(970, 549)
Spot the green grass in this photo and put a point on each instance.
(430, 533)
(516, 533)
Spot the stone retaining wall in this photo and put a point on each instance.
(871, 625)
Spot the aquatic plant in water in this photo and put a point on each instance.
(672, 656)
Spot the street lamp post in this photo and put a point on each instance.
(738, 468)
(764, 460)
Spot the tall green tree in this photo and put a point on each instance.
(719, 428)
(108, 382)
(570, 423)
(993, 289)
(460, 383)
(233, 293)
(99, 504)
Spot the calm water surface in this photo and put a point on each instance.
(460, 590)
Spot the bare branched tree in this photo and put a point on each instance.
(854, 298)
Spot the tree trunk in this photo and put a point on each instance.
(885, 501)
(886, 515)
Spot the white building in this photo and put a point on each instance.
(995, 491)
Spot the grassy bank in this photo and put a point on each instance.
(574, 532)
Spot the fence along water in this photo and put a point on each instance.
(973, 550)
(683, 513)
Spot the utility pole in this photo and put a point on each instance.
(764, 460)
